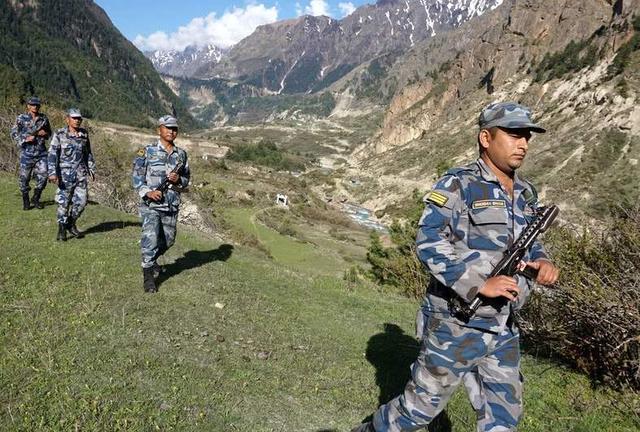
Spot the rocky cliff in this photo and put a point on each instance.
(574, 62)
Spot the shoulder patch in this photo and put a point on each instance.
(437, 198)
(140, 152)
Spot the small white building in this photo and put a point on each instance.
(282, 200)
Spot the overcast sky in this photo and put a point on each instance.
(171, 24)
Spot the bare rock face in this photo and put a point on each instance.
(555, 57)
(490, 51)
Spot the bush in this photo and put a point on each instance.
(398, 265)
(591, 317)
(575, 56)
(267, 154)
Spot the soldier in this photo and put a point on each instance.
(157, 162)
(70, 164)
(30, 133)
(471, 216)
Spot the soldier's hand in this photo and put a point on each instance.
(173, 177)
(30, 138)
(500, 286)
(53, 179)
(42, 132)
(547, 272)
(154, 195)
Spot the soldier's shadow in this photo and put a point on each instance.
(192, 259)
(392, 352)
(110, 226)
(48, 203)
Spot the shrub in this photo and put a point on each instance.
(575, 56)
(590, 318)
(267, 154)
(398, 265)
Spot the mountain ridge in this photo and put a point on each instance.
(71, 55)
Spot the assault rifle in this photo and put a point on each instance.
(165, 182)
(512, 262)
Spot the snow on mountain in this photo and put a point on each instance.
(186, 62)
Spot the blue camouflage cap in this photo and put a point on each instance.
(34, 100)
(509, 115)
(74, 112)
(168, 121)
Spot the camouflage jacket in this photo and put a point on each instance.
(468, 222)
(151, 166)
(26, 125)
(70, 155)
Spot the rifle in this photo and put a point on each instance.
(37, 125)
(165, 182)
(512, 262)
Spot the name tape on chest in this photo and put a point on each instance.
(437, 198)
(480, 204)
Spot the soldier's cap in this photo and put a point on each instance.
(168, 121)
(74, 112)
(509, 115)
(34, 100)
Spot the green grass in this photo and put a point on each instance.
(287, 251)
(83, 348)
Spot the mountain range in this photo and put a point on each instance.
(425, 68)
(187, 62)
(309, 53)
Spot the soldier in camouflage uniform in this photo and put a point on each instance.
(159, 211)
(471, 216)
(30, 132)
(70, 164)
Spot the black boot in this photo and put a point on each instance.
(35, 201)
(149, 281)
(62, 232)
(73, 229)
(26, 205)
(157, 270)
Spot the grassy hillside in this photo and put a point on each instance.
(69, 53)
(231, 342)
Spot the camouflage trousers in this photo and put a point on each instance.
(158, 233)
(32, 166)
(487, 363)
(72, 197)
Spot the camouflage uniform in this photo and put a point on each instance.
(33, 155)
(71, 160)
(468, 222)
(150, 167)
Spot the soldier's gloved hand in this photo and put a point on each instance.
(53, 179)
(173, 177)
(547, 272)
(154, 195)
(500, 286)
(42, 132)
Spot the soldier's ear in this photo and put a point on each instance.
(484, 138)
